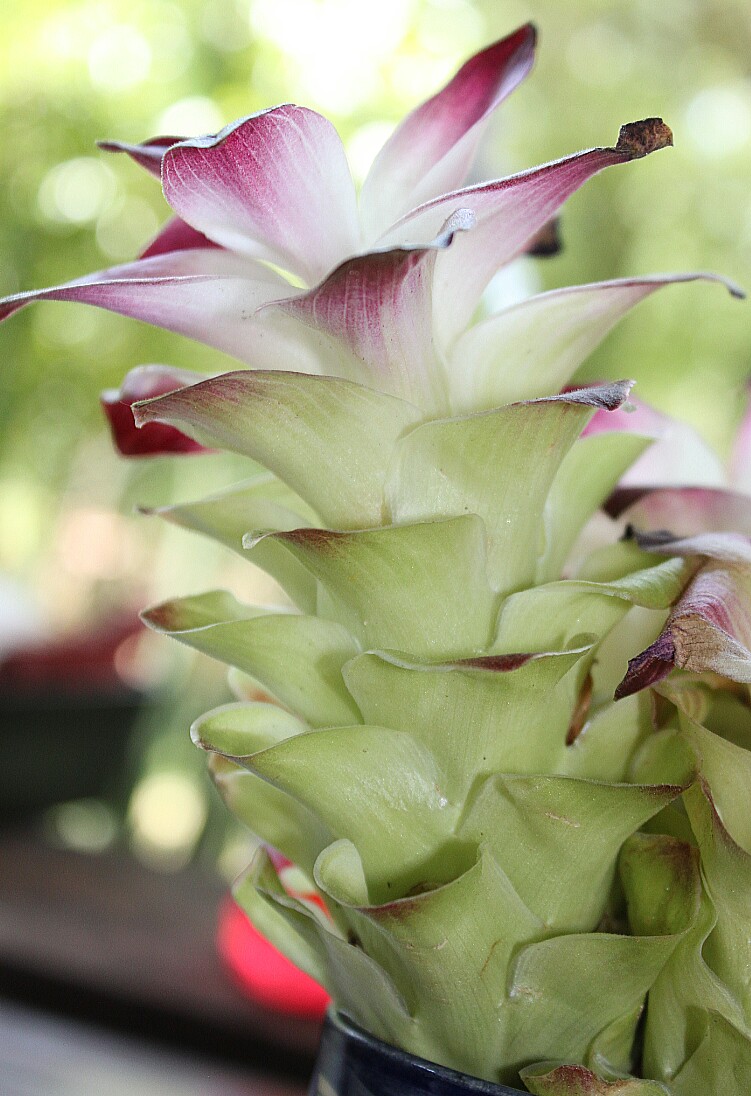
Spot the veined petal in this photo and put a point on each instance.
(274, 186)
(509, 213)
(662, 880)
(235, 731)
(353, 978)
(679, 455)
(723, 1056)
(587, 475)
(389, 797)
(206, 294)
(147, 154)
(431, 151)
(535, 347)
(441, 947)
(141, 383)
(726, 866)
(371, 320)
(558, 839)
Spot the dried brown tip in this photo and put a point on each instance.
(638, 139)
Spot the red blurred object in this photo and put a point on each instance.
(265, 975)
(145, 382)
(81, 662)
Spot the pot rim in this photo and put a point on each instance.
(420, 1067)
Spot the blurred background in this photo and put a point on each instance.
(76, 561)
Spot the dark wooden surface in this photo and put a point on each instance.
(103, 940)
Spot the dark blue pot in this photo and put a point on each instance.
(353, 1063)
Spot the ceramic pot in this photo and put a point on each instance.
(353, 1063)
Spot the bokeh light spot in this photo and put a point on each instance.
(76, 191)
(718, 120)
(167, 813)
(119, 58)
(193, 116)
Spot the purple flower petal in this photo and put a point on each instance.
(273, 186)
(684, 510)
(709, 627)
(176, 235)
(371, 320)
(207, 294)
(679, 456)
(148, 154)
(431, 151)
(154, 437)
(509, 212)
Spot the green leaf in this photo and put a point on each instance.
(420, 588)
(587, 475)
(477, 717)
(389, 797)
(721, 1065)
(261, 503)
(449, 959)
(558, 839)
(361, 988)
(297, 658)
(662, 884)
(498, 464)
(604, 748)
(232, 734)
(329, 439)
(726, 867)
(554, 614)
(563, 992)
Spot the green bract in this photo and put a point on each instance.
(444, 759)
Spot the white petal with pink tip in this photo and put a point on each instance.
(431, 151)
(274, 186)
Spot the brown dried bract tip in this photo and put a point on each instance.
(638, 139)
(581, 711)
